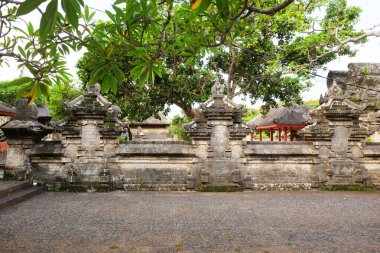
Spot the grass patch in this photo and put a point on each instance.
(178, 246)
(114, 247)
(103, 188)
(349, 188)
(96, 187)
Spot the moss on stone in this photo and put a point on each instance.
(217, 188)
(360, 188)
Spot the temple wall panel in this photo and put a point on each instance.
(372, 163)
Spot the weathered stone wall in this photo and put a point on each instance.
(371, 153)
(279, 165)
(155, 164)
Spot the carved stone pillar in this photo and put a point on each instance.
(218, 123)
(22, 132)
(339, 129)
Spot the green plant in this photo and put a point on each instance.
(57, 189)
(179, 246)
(114, 246)
(142, 184)
(176, 127)
(250, 114)
(122, 138)
(365, 71)
(220, 189)
(359, 188)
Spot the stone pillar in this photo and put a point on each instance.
(22, 133)
(218, 123)
(90, 136)
(340, 126)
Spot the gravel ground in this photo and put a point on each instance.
(309, 221)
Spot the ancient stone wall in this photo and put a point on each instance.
(371, 155)
(279, 165)
(336, 150)
(158, 165)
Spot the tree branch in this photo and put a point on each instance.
(272, 10)
(231, 72)
(338, 48)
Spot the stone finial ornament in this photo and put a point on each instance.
(93, 88)
(217, 89)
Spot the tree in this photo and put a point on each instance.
(266, 49)
(10, 93)
(189, 86)
(60, 94)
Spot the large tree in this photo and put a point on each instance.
(166, 52)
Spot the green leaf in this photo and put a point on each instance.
(204, 5)
(95, 75)
(119, 1)
(48, 19)
(106, 83)
(20, 81)
(72, 10)
(119, 11)
(28, 6)
(86, 13)
(111, 16)
(22, 52)
(223, 8)
(137, 71)
(113, 84)
(119, 75)
(30, 29)
(30, 92)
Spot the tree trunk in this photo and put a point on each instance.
(186, 109)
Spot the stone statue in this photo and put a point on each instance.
(217, 89)
(198, 115)
(93, 88)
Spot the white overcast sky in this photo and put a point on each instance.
(370, 52)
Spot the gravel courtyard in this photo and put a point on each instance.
(194, 222)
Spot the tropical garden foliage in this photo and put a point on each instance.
(149, 54)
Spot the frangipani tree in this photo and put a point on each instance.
(168, 51)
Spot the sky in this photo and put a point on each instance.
(370, 52)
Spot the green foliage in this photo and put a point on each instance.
(311, 103)
(60, 94)
(10, 91)
(123, 138)
(220, 189)
(165, 53)
(176, 127)
(359, 188)
(250, 114)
